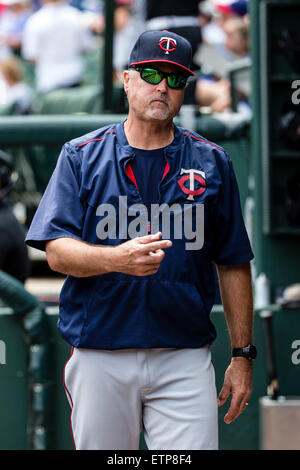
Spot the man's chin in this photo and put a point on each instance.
(159, 115)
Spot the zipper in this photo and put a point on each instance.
(130, 175)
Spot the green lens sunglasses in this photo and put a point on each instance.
(153, 76)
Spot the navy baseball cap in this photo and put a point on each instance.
(162, 46)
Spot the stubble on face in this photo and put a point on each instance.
(158, 107)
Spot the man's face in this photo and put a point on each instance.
(236, 43)
(153, 102)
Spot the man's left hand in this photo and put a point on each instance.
(238, 383)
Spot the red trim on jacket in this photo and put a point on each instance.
(96, 140)
(129, 173)
(202, 140)
(166, 170)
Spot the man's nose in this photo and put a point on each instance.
(163, 85)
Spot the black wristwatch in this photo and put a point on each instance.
(249, 352)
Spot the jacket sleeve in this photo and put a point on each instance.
(61, 211)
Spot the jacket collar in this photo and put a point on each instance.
(127, 150)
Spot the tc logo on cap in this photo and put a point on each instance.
(167, 44)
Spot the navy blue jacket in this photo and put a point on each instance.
(172, 307)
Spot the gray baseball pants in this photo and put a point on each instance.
(169, 394)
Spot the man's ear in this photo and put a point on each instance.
(126, 78)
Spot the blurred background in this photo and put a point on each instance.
(61, 67)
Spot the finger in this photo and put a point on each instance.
(150, 259)
(150, 238)
(235, 408)
(244, 403)
(244, 406)
(153, 270)
(148, 270)
(153, 246)
(157, 254)
(223, 395)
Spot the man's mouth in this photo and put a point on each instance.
(159, 100)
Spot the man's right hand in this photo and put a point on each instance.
(140, 256)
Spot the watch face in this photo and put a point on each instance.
(250, 351)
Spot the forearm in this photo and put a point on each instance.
(78, 258)
(237, 298)
(140, 256)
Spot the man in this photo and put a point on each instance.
(55, 39)
(12, 23)
(135, 214)
(14, 259)
(19, 95)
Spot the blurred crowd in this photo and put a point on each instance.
(55, 36)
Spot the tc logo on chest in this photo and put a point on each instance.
(196, 182)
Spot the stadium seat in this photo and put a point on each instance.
(82, 99)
